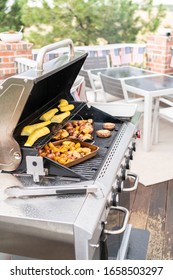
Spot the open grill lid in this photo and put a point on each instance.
(23, 95)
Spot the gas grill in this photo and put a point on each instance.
(48, 210)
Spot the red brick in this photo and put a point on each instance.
(6, 65)
(2, 47)
(9, 71)
(5, 59)
(159, 53)
(7, 53)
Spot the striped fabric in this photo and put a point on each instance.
(126, 55)
(138, 54)
(119, 55)
(115, 57)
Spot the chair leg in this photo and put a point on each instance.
(155, 126)
(156, 138)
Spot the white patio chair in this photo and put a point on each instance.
(96, 62)
(163, 110)
(93, 63)
(168, 100)
(116, 88)
(23, 64)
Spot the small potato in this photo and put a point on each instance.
(43, 154)
(69, 160)
(90, 121)
(69, 154)
(40, 151)
(76, 155)
(79, 150)
(51, 146)
(62, 161)
(71, 131)
(75, 134)
(69, 124)
(86, 150)
(63, 149)
(77, 145)
(46, 147)
(72, 144)
(56, 158)
(66, 143)
(75, 123)
(51, 156)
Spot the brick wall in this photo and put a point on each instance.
(159, 53)
(8, 53)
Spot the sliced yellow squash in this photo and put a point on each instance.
(49, 114)
(66, 108)
(27, 130)
(36, 135)
(63, 102)
(60, 117)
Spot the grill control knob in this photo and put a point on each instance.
(134, 146)
(109, 200)
(123, 173)
(127, 163)
(130, 154)
(138, 134)
(115, 199)
(119, 185)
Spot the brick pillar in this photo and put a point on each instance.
(8, 53)
(159, 53)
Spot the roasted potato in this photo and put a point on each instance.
(64, 153)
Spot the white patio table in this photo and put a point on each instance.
(121, 72)
(139, 81)
(149, 87)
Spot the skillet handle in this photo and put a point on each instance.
(51, 47)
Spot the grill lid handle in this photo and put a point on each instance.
(51, 47)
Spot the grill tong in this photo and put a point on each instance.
(20, 192)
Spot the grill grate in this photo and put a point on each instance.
(91, 167)
(88, 169)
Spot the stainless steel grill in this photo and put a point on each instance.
(51, 211)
